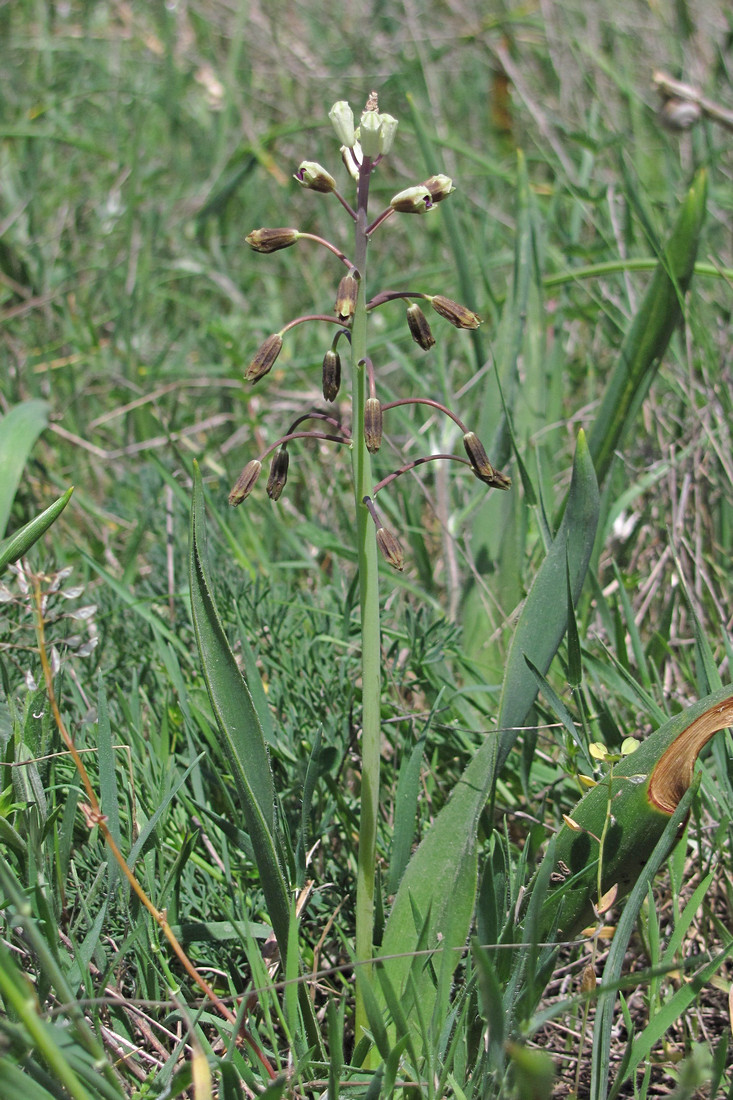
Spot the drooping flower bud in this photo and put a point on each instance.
(477, 455)
(346, 298)
(458, 315)
(264, 358)
(372, 424)
(271, 240)
(413, 200)
(245, 482)
(390, 548)
(440, 187)
(278, 473)
(480, 464)
(342, 119)
(315, 177)
(331, 379)
(419, 327)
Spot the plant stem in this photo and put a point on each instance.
(370, 640)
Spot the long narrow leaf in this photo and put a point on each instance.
(544, 617)
(20, 543)
(239, 726)
(19, 430)
(650, 332)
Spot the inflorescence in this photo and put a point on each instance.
(362, 149)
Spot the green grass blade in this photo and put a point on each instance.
(20, 543)
(19, 430)
(650, 332)
(544, 617)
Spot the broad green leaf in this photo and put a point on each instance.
(650, 332)
(20, 543)
(239, 726)
(19, 430)
(544, 617)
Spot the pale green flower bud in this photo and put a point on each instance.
(342, 118)
(369, 133)
(351, 165)
(314, 176)
(413, 200)
(387, 130)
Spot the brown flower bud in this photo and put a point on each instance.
(440, 187)
(315, 177)
(271, 240)
(454, 312)
(346, 298)
(264, 358)
(390, 548)
(278, 473)
(331, 380)
(245, 482)
(372, 424)
(480, 464)
(419, 327)
(477, 455)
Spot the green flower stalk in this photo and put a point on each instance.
(362, 148)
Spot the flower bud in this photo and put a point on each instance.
(245, 482)
(390, 548)
(369, 133)
(264, 358)
(480, 464)
(315, 177)
(372, 424)
(413, 200)
(454, 312)
(347, 156)
(346, 298)
(477, 455)
(331, 379)
(387, 130)
(342, 119)
(271, 240)
(419, 327)
(278, 473)
(440, 187)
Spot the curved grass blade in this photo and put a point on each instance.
(544, 617)
(20, 543)
(650, 332)
(240, 728)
